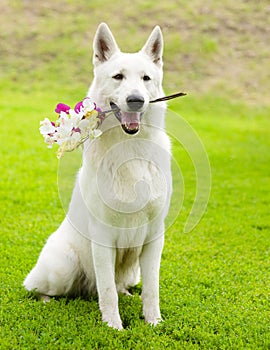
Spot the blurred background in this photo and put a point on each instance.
(211, 47)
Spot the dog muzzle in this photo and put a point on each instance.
(130, 121)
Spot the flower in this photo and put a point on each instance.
(65, 122)
(49, 140)
(83, 125)
(73, 126)
(78, 107)
(88, 105)
(61, 107)
(76, 117)
(47, 127)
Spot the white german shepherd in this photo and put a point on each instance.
(115, 224)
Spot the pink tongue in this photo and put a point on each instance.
(131, 119)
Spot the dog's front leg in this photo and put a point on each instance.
(104, 264)
(150, 263)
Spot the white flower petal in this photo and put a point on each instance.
(88, 105)
(63, 115)
(75, 117)
(49, 141)
(46, 127)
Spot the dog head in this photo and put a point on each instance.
(127, 81)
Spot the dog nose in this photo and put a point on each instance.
(135, 102)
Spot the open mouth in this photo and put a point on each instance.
(130, 121)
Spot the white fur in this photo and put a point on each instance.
(115, 225)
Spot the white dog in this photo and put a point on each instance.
(114, 228)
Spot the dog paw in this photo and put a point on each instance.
(152, 316)
(153, 321)
(44, 298)
(113, 321)
(115, 324)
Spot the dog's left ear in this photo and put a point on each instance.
(104, 44)
(154, 46)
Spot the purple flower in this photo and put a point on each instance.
(76, 130)
(78, 107)
(61, 107)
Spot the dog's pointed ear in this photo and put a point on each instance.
(154, 46)
(104, 44)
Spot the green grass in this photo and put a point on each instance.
(214, 281)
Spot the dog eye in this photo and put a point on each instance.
(146, 78)
(118, 76)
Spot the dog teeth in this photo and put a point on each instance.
(130, 130)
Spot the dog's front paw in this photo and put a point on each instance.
(114, 322)
(116, 325)
(152, 316)
(153, 321)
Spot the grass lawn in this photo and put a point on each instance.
(214, 280)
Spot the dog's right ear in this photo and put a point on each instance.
(104, 44)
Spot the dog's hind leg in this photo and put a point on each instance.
(56, 270)
(44, 298)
